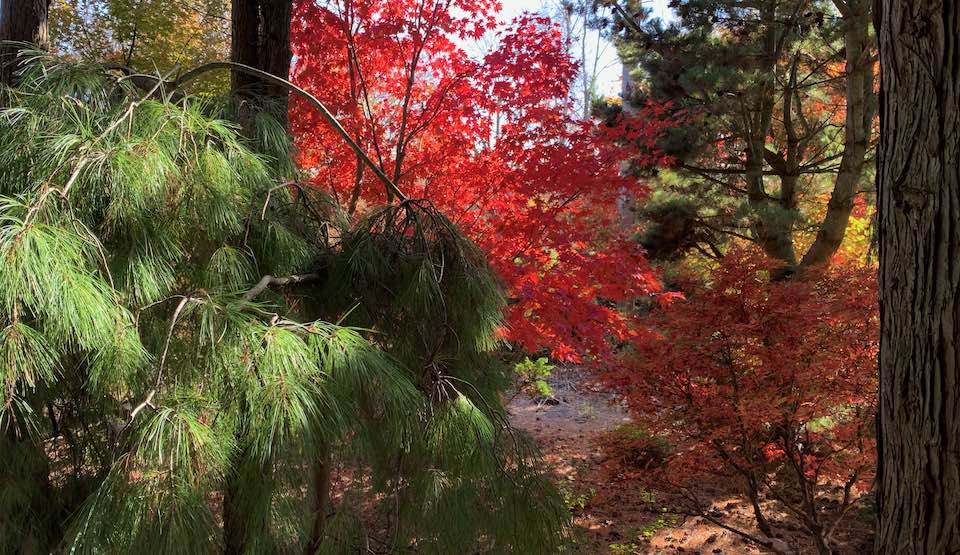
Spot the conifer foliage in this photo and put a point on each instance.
(163, 393)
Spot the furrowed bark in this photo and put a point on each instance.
(22, 21)
(260, 38)
(918, 182)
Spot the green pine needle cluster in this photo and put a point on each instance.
(157, 399)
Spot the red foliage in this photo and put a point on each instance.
(772, 382)
(492, 141)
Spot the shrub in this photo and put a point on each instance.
(771, 382)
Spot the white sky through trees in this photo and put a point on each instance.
(609, 77)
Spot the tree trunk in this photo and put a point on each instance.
(772, 222)
(859, 121)
(260, 38)
(21, 21)
(918, 181)
(233, 534)
(244, 41)
(321, 501)
(275, 53)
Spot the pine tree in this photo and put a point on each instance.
(151, 361)
(779, 104)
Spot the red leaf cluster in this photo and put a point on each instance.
(757, 378)
(492, 140)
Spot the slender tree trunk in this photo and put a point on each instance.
(918, 182)
(321, 501)
(859, 121)
(753, 490)
(772, 224)
(21, 21)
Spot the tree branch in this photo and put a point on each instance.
(270, 281)
(312, 100)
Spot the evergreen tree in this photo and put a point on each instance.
(779, 106)
(159, 380)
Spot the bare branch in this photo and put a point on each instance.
(270, 281)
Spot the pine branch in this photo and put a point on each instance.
(312, 100)
(163, 361)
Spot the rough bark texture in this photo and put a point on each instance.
(919, 216)
(260, 38)
(21, 21)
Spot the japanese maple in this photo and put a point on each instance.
(491, 140)
(771, 382)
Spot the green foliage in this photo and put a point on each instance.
(145, 376)
(149, 34)
(574, 500)
(661, 523)
(761, 90)
(533, 374)
(463, 474)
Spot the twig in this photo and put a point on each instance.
(163, 361)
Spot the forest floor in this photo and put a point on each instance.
(615, 511)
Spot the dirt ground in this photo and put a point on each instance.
(615, 512)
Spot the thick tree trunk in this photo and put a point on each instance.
(859, 121)
(21, 21)
(919, 217)
(260, 38)
(275, 54)
(244, 41)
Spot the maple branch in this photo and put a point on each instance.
(403, 139)
(354, 60)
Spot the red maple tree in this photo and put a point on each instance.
(492, 141)
(773, 383)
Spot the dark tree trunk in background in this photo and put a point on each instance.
(260, 38)
(919, 215)
(21, 21)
